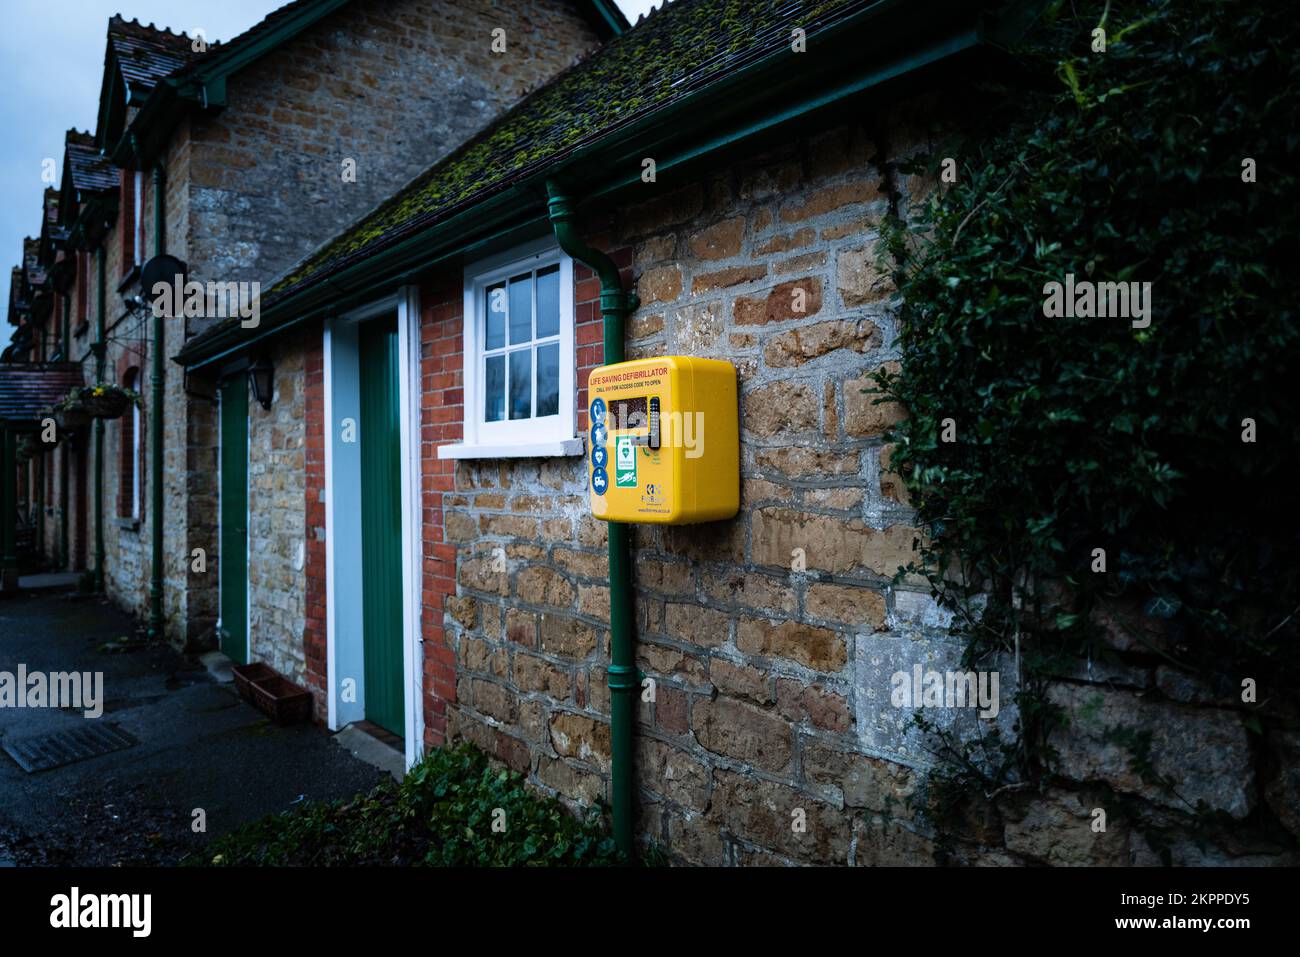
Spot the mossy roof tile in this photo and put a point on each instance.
(681, 49)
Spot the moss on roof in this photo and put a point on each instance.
(685, 46)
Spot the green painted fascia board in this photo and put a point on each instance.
(612, 16)
(444, 239)
(89, 222)
(165, 105)
(109, 108)
(225, 64)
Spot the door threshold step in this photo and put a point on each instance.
(362, 741)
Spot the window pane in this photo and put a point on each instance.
(494, 389)
(521, 384)
(548, 379)
(548, 305)
(496, 317)
(521, 310)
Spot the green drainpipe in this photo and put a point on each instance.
(39, 470)
(63, 507)
(100, 350)
(9, 574)
(624, 679)
(156, 419)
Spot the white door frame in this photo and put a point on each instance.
(342, 517)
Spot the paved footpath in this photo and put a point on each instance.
(199, 746)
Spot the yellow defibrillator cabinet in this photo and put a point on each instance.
(664, 445)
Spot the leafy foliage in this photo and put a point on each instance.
(441, 814)
(1081, 433)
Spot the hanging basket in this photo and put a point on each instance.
(109, 404)
(72, 419)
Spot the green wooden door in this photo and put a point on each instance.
(381, 525)
(234, 518)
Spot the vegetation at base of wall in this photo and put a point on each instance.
(1078, 434)
(442, 814)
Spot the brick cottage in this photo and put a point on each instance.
(405, 527)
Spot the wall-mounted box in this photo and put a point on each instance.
(665, 441)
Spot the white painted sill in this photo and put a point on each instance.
(514, 450)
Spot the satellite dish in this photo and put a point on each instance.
(161, 269)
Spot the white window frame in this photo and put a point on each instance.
(512, 438)
(139, 217)
(135, 448)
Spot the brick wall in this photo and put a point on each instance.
(314, 591)
(441, 423)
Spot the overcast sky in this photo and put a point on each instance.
(51, 65)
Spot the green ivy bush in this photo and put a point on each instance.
(1087, 433)
(441, 814)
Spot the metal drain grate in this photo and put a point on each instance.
(47, 751)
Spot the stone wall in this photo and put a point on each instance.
(772, 638)
(277, 539)
(188, 614)
(754, 651)
(391, 86)
(250, 190)
(388, 85)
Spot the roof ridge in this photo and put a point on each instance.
(150, 26)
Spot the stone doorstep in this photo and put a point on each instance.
(49, 580)
(372, 744)
(219, 666)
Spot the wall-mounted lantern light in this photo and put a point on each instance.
(260, 377)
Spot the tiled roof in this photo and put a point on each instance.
(146, 54)
(681, 49)
(91, 172)
(25, 389)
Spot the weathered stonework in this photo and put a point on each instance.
(249, 191)
(772, 638)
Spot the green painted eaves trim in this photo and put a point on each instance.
(225, 63)
(613, 17)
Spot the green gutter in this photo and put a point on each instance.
(624, 679)
(100, 349)
(156, 419)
